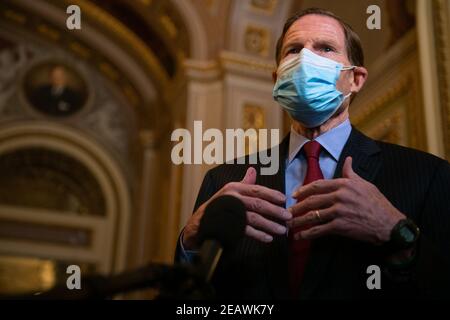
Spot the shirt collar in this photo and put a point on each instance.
(333, 140)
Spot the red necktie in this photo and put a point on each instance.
(299, 249)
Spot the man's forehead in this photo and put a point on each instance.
(316, 27)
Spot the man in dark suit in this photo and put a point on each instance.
(342, 206)
(57, 98)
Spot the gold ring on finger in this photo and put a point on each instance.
(317, 214)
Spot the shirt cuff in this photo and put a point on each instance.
(186, 256)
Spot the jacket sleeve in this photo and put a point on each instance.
(432, 272)
(428, 276)
(207, 190)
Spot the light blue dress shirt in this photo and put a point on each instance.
(332, 142)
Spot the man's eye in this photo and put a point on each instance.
(294, 51)
(327, 49)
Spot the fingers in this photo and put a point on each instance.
(259, 199)
(260, 223)
(260, 202)
(257, 234)
(316, 232)
(318, 187)
(311, 218)
(327, 186)
(248, 187)
(250, 176)
(314, 202)
(265, 208)
(261, 192)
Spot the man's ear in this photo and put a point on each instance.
(274, 76)
(359, 78)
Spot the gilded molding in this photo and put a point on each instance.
(373, 108)
(15, 16)
(125, 35)
(243, 64)
(442, 40)
(253, 116)
(405, 86)
(389, 129)
(80, 49)
(49, 32)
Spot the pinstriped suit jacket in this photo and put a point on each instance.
(416, 183)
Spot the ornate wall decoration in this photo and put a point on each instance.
(47, 199)
(13, 59)
(257, 40)
(24, 67)
(254, 26)
(253, 116)
(395, 116)
(63, 196)
(51, 234)
(390, 106)
(55, 89)
(389, 129)
(19, 21)
(266, 6)
(42, 178)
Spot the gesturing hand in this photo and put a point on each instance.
(261, 202)
(350, 207)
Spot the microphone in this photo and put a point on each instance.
(221, 228)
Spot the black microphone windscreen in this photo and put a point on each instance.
(224, 220)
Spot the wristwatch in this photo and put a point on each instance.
(404, 236)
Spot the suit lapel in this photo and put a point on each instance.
(366, 163)
(365, 153)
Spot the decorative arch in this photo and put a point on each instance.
(197, 33)
(108, 234)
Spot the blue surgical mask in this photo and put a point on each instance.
(306, 88)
